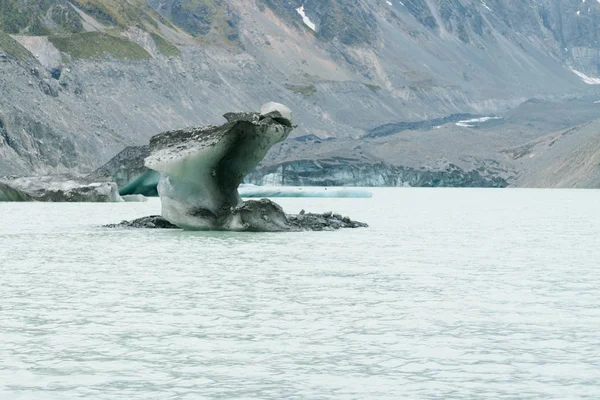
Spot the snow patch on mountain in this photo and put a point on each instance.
(305, 18)
(585, 78)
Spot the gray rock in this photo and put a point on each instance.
(152, 222)
(323, 222)
(241, 116)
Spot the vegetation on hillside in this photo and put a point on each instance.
(38, 17)
(305, 90)
(98, 46)
(121, 13)
(375, 88)
(13, 49)
(165, 47)
(204, 19)
(63, 24)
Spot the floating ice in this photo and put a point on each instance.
(134, 198)
(253, 191)
(202, 168)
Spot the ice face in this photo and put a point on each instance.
(8, 193)
(145, 184)
(53, 189)
(201, 169)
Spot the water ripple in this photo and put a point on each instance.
(451, 294)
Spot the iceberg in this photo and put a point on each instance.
(201, 169)
(134, 198)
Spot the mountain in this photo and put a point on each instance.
(378, 88)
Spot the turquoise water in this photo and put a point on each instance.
(450, 294)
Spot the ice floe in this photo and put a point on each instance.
(470, 123)
(253, 191)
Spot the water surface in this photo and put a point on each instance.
(450, 294)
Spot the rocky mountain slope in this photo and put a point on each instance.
(378, 87)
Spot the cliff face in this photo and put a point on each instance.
(81, 80)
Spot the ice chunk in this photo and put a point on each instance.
(134, 198)
(253, 191)
(201, 168)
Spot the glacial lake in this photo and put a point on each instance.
(450, 294)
